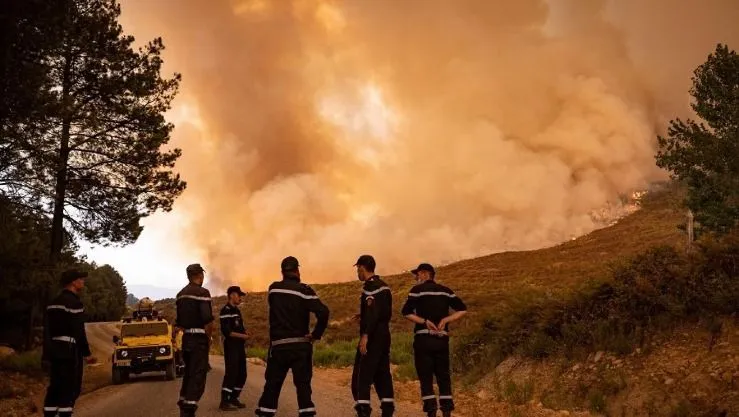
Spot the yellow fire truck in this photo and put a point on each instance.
(144, 345)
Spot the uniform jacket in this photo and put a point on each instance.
(290, 304)
(231, 321)
(432, 301)
(194, 307)
(64, 328)
(376, 307)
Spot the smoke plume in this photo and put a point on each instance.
(416, 131)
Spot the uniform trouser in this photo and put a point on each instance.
(195, 353)
(297, 357)
(431, 356)
(373, 368)
(178, 358)
(234, 357)
(65, 383)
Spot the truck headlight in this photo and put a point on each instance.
(162, 350)
(124, 353)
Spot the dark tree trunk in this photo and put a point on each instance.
(57, 225)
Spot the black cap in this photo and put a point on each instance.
(367, 261)
(193, 269)
(235, 289)
(289, 264)
(71, 275)
(424, 267)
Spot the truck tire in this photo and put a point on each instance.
(170, 371)
(117, 375)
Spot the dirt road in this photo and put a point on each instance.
(151, 395)
(100, 337)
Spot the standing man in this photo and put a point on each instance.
(372, 362)
(428, 306)
(291, 343)
(195, 318)
(65, 344)
(234, 340)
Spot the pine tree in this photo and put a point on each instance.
(705, 155)
(98, 165)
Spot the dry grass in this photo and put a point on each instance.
(20, 394)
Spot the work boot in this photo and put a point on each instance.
(235, 401)
(228, 406)
(364, 412)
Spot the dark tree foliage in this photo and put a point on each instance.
(86, 143)
(29, 30)
(26, 278)
(104, 295)
(705, 155)
(82, 151)
(27, 282)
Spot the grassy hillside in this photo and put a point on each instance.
(492, 284)
(622, 321)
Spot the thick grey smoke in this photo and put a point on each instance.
(417, 130)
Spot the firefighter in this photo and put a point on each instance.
(234, 340)
(428, 307)
(195, 318)
(291, 342)
(65, 345)
(372, 362)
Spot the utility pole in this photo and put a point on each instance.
(690, 231)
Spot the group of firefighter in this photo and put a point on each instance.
(430, 306)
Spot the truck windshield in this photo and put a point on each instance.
(157, 328)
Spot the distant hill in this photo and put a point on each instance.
(155, 293)
(131, 299)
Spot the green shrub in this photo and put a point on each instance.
(653, 291)
(597, 401)
(257, 352)
(401, 354)
(518, 394)
(557, 398)
(341, 353)
(335, 355)
(405, 372)
(682, 409)
(539, 345)
(26, 362)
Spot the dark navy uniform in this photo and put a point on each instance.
(194, 313)
(234, 353)
(65, 346)
(290, 304)
(432, 301)
(376, 308)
